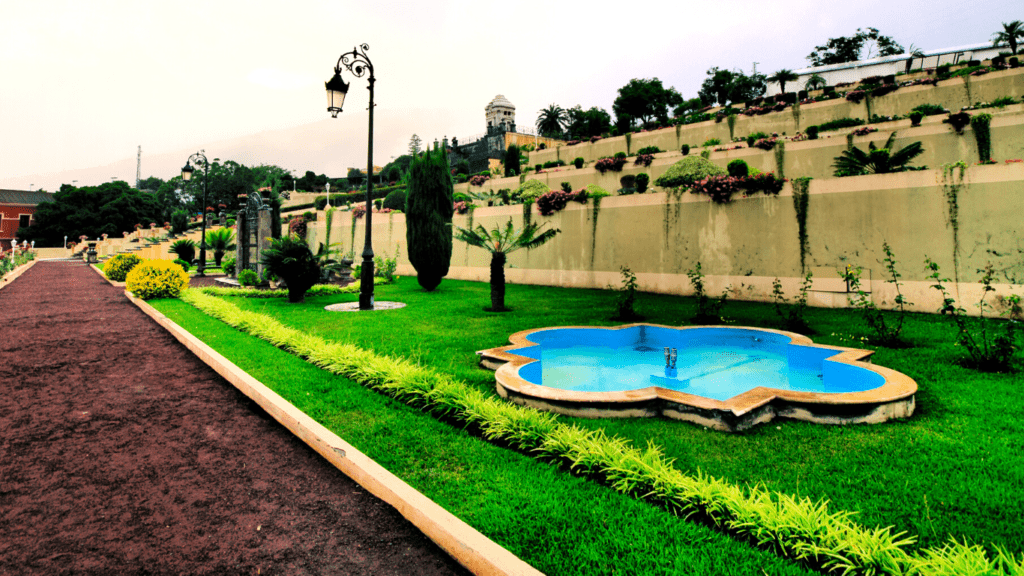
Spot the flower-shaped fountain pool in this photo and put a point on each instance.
(728, 378)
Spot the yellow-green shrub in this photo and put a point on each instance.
(118, 267)
(157, 279)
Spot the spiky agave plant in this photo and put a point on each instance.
(876, 160)
(500, 242)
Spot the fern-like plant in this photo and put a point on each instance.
(185, 249)
(290, 259)
(220, 241)
(855, 162)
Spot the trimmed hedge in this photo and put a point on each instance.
(118, 267)
(796, 528)
(156, 279)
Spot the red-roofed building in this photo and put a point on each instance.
(16, 210)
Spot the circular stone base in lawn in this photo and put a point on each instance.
(354, 306)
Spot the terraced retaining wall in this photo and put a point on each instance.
(954, 94)
(810, 158)
(750, 241)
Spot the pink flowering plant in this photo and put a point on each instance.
(766, 143)
(556, 200)
(719, 188)
(644, 160)
(614, 164)
(764, 182)
(478, 180)
(856, 96)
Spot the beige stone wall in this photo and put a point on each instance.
(810, 158)
(953, 94)
(750, 241)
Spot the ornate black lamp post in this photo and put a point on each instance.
(186, 175)
(359, 65)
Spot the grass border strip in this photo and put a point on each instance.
(793, 528)
(470, 548)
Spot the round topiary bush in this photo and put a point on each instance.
(156, 279)
(117, 268)
(738, 168)
(395, 200)
(248, 278)
(687, 171)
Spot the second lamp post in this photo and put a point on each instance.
(359, 65)
(186, 175)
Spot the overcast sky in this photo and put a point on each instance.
(83, 83)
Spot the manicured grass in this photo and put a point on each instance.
(557, 522)
(952, 469)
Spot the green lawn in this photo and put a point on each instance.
(953, 469)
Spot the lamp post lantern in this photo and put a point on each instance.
(359, 65)
(186, 175)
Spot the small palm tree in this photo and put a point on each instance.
(876, 160)
(290, 259)
(783, 76)
(551, 121)
(814, 82)
(185, 249)
(220, 241)
(501, 242)
(1012, 31)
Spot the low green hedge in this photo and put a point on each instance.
(792, 527)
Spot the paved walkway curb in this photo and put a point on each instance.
(16, 272)
(473, 550)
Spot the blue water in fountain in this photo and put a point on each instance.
(716, 363)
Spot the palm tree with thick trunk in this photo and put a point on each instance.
(1011, 33)
(500, 242)
(551, 121)
(783, 76)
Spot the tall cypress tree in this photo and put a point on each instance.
(512, 160)
(428, 217)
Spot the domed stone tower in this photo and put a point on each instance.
(501, 114)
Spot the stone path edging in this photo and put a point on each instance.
(473, 550)
(16, 272)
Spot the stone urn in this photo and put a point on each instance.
(91, 253)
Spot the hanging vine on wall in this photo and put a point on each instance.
(593, 229)
(867, 105)
(328, 218)
(967, 87)
(527, 212)
(801, 199)
(951, 189)
(796, 114)
(780, 159)
(731, 120)
(980, 124)
(849, 141)
(673, 208)
(352, 252)
(629, 142)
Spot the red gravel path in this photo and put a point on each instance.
(122, 453)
